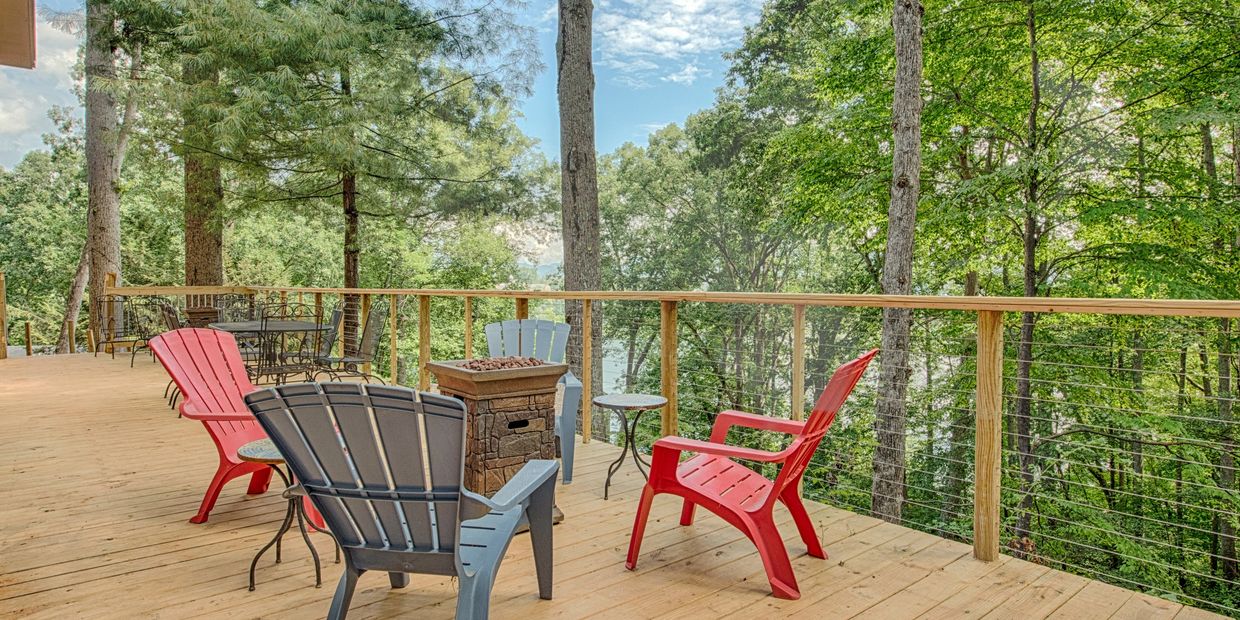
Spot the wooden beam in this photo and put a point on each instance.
(90, 340)
(4, 320)
(988, 436)
(469, 328)
(29, 342)
(587, 370)
(17, 22)
(668, 374)
(424, 342)
(318, 307)
(798, 362)
(523, 308)
(394, 350)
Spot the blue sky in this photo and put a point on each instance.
(656, 62)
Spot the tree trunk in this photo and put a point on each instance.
(73, 304)
(352, 243)
(103, 139)
(204, 195)
(887, 489)
(579, 181)
(1031, 237)
(352, 257)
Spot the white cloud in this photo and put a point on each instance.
(686, 76)
(644, 38)
(27, 95)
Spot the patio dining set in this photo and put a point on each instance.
(279, 341)
(382, 469)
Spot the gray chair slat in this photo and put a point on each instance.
(402, 441)
(446, 524)
(320, 432)
(446, 456)
(359, 510)
(495, 340)
(527, 331)
(543, 330)
(559, 344)
(334, 513)
(359, 436)
(418, 517)
(389, 518)
(283, 429)
(511, 337)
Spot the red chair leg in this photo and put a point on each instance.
(804, 525)
(639, 527)
(259, 482)
(686, 513)
(213, 493)
(775, 560)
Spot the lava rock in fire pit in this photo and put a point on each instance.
(501, 363)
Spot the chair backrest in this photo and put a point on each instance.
(371, 333)
(383, 464)
(537, 338)
(172, 319)
(328, 340)
(206, 365)
(820, 418)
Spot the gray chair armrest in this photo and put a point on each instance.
(514, 493)
(570, 381)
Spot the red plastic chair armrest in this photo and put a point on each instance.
(680, 444)
(218, 416)
(727, 419)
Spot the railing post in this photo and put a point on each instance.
(318, 307)
(424, 342)
(29, 344)
(667, 366)
(4, 321)
(393, 350)
(469, 328)
(587, 370)
(523, 308)
(987, 435)
(798, 362)
(90, 339)
(108, 325)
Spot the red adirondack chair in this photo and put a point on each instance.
(739, 495)
(206, 365)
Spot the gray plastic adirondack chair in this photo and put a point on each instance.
(391, 493)
(547, 341)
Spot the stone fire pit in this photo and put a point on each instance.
(510, 419)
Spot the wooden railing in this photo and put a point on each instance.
(990, 313)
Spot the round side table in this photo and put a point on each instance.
(622, 404)
(265, 452)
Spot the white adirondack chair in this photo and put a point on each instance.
(547, 341)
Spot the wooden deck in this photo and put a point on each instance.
(99, 479)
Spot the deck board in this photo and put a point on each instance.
(100, 479)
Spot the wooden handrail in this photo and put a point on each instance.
(1136, 307)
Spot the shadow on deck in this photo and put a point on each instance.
(100, 479)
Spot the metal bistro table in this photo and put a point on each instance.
(268, 332)
(622, 403)
(265, 452)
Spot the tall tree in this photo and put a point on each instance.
(103, 154)
(204, 188)
(578, 167)
(887, 489)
